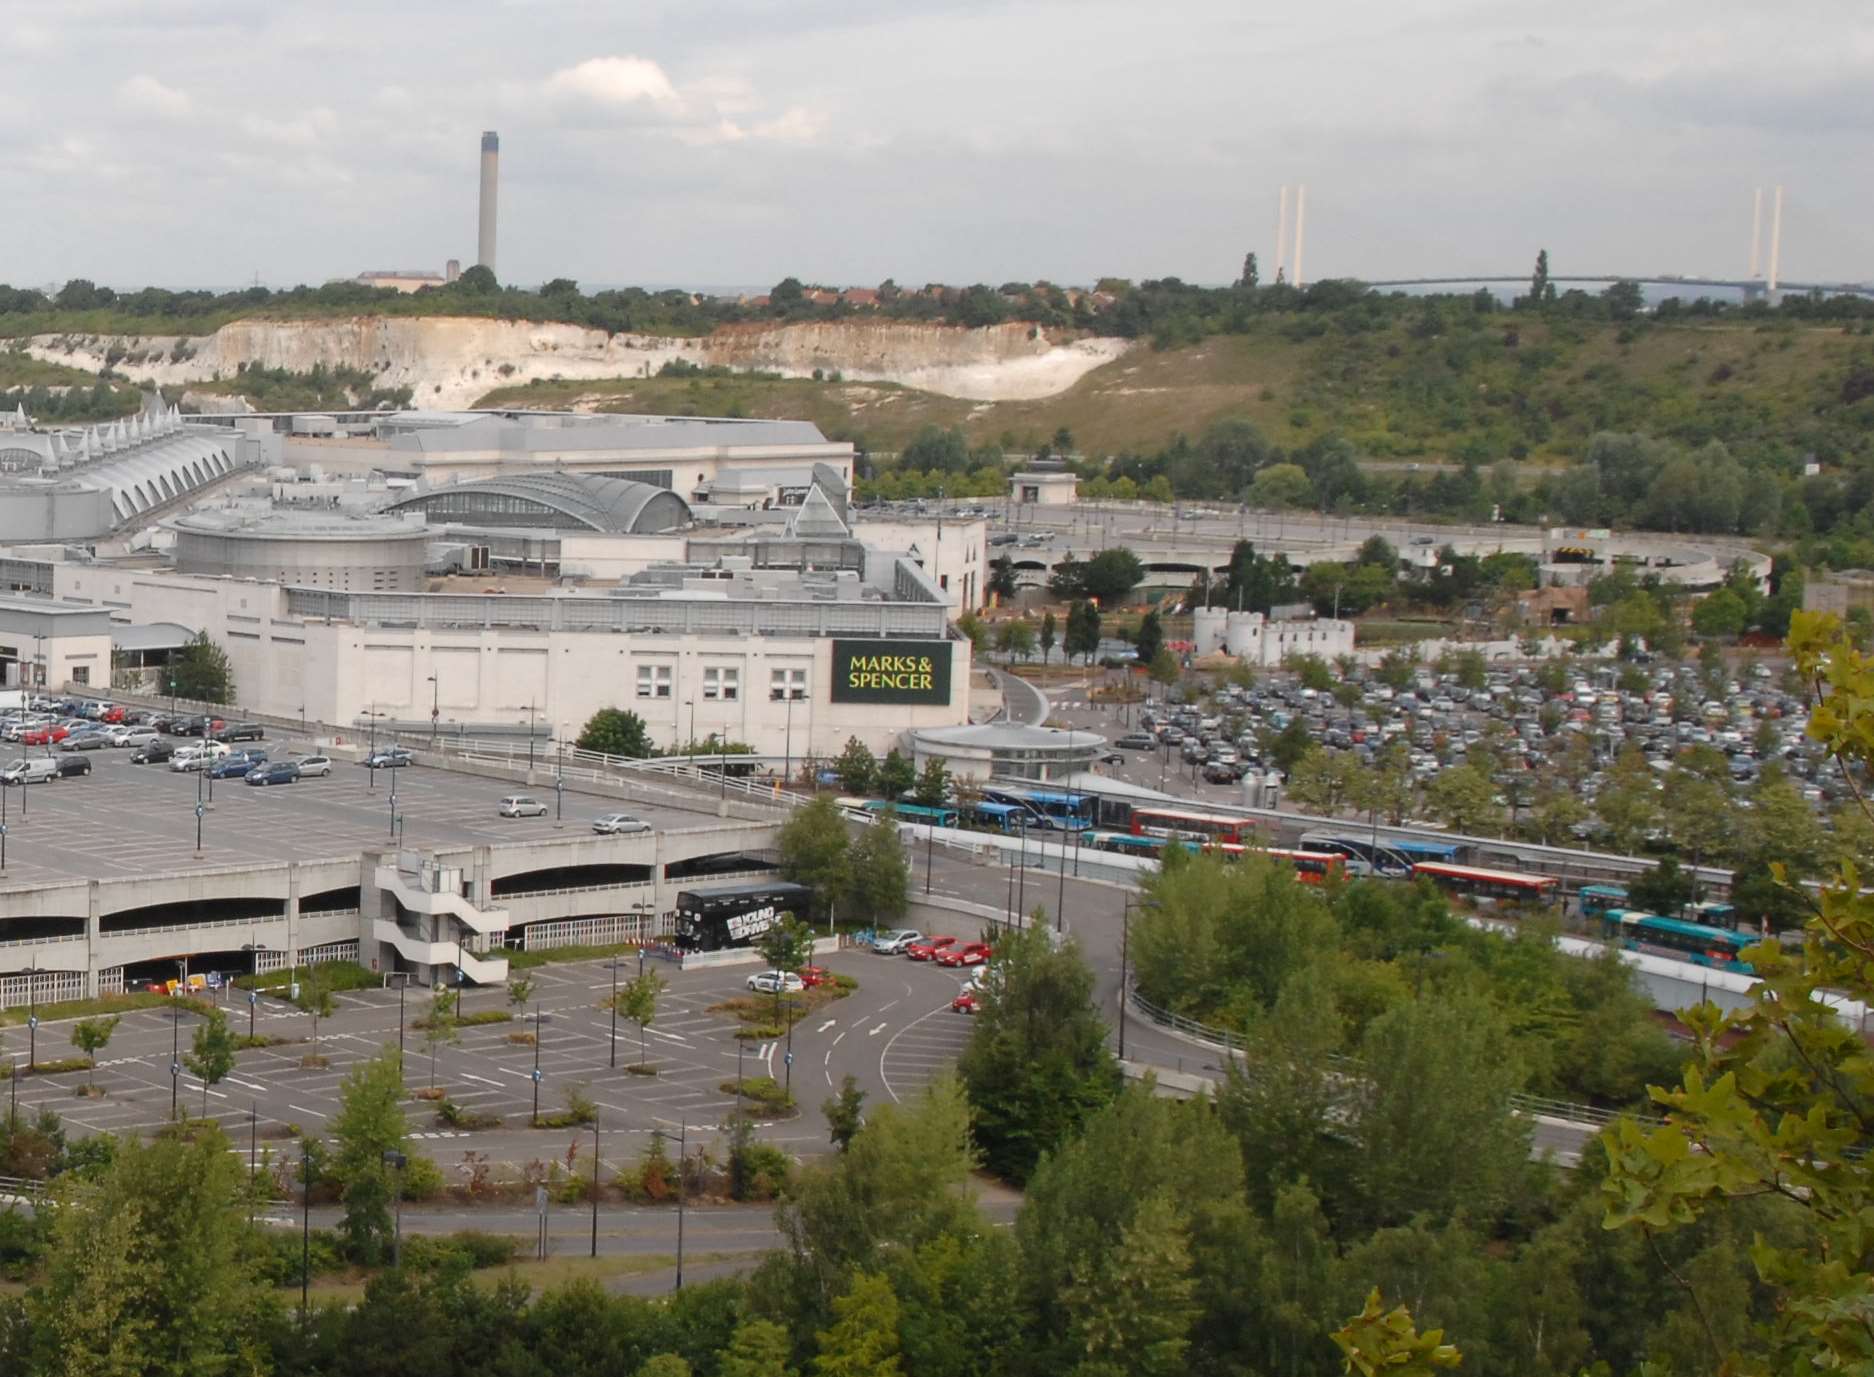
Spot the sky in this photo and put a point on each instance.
(734, 142)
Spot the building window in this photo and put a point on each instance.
(653, 681)
(722, 685)
(787, 683)
(81, 674)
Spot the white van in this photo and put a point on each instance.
(36, 770)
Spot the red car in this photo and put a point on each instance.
(44, 736)
(927, 949)
(815, 975)
(969, 954)
(114, 714)
(965, 1003)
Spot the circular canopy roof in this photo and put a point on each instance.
(614, 505)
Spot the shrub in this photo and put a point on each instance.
(339, 975)
(653, 1179)
(765, 1091)
(452, 1115)
(472, 1246)
(757, 1170)
(422, 1179)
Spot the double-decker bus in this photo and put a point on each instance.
(1197, 827)
(1502, 886)
(1719, 948)
(1596, 900)
(1311, 867)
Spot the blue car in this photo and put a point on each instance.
(279, 772)
(236, 765)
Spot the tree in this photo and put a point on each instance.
(202, 672)
(153, 1269)
(1133, 1307)
(1164, 667)
(863, 1340)
(1720, 613)
(786, 946)
(1463, 798)
(1773, 1104)
(1083, 631)
(637, 1001)
(1111, 575)
(845, 1113)
(521, 992)
(317, 1001)
(814, 848)
(1541, 290)
(1281, 485)
(1284, 749)
(881, 877)
(1151, 638)
(973, 629)
(370, 1124)
(211, 1053)
(1385, 1343)
(440, 1027)
(758, 1348)
(89, 1035)
(933, 784)
(1037, 1063)
(1016, 640)
(1323, 780)
(1250, 276)
(1312, 671)
(896, 775)
(614, 731)
(1049, 629)
(1001, 584)
(1665, 889)
(856, 767)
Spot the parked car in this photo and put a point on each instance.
(521, 806)
(815, 975)
(1137, 741)
(928, 948)
(276, 772)
(92, 739)
(243, 731)
(130, 736)
(45, 734)
(154, 752)
(314, 766)
(69, 765)
(776, 982)
(966, 1002)
(236, 764)
(390, 758)
(198, 756)
(965, 954)
(37, 770)
(619, 824)
(894, 942)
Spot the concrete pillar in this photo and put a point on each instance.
(292, 918)
(94, 934)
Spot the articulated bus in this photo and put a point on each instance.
(1393, 857)
(1596, 900)
(1125, 844)
(1506, 886)
(1046, 808)
(1719, 948)
(1197, 827)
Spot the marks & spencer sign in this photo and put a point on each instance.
(907, 672)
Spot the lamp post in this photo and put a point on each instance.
(559, 787)
(692, 733)
(532, 713)
(1021, 883)
(393, 806)
(595, 1185)
(32, 974)
(614, 1012)
(538, 1030)
(253, 996)
(403, 983)
(1125, 940)
(370, 775)
(305, 1229)
(787, 760)
(435, 709)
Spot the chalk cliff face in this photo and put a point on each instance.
(449, 361)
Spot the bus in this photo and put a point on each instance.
(1311, 867)
(711, 917)
(1695, 942)
(1505, 886)
(1198, 827)
(1046, 808)
(1125, 844)
(1598, 899)
(915, 812)
(1714, 914)
(991, 816)
(1390, 856)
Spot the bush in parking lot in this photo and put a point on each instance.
(653, 1179)
(279, 1255)
(757, 1170)
(765, 1091)
(478, 1249)
(339, 976)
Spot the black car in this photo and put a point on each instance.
(243, 731)
(154, 753)
(72, 764)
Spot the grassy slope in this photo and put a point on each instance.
(18, 369)
(1392, 393)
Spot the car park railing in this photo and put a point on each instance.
(41, 941)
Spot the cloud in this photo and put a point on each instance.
(303, 130)
(613, 81)
(146, 95)
(796, 125)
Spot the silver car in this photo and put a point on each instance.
(619, 824)
(893, 943)
(313, 766)
(521, 806)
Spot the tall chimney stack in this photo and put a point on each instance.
(491, 171)
(1776, 239)
(1301, 217)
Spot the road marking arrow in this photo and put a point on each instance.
(876, 1031)
(828, 1024)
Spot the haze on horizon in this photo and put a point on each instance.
(199, 142)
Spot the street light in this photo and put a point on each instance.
(435, 709)
(396, 1161)
(1125, 940)
(614, 1011)
(595, 1185)
(559, 787)
(538, 1030)
(32, 974)
(403, 983)
(253, 996)
(531, 715)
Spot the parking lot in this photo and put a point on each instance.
(126, 820)
(893, 1034)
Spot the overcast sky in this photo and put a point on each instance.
(199, 142)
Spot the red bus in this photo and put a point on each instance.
(1311, 867)
(1198, 827)
(1508, 886)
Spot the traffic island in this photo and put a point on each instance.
(770, 1099)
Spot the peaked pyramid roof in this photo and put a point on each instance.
(817, 518)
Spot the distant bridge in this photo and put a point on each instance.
(1749, 286)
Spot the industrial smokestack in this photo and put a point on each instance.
(1301, 219)
(1281, 235)
(491, 170)
(1756, 234)
(1776, 239)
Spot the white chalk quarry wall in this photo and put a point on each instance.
(451, 361)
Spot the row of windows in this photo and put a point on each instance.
(722, 684)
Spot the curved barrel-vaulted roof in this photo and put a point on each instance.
(553, 500)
